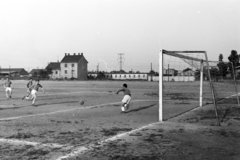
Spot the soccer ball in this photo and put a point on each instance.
(81, 102)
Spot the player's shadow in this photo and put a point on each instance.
(44, 104)
(141, 108)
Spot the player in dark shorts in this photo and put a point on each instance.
(126, 99)
(29, 88)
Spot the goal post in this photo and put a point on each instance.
(181, 82)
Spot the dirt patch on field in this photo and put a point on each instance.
(194, 135)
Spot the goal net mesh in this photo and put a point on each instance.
(181, 76)
(189, 80)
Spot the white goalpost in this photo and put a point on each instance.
(181, 82)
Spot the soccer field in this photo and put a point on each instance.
(58, 125)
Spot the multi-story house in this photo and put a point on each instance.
(74, 66)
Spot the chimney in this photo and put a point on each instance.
(74, 54)
(81, 54)
(65, 54)
(69, 54)
(78, 53)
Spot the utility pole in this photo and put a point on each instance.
(97, 68)
(168, 72)
(151, 73)
(121, 59)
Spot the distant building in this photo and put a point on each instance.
(56, 70)
(20, 72)
(169, 71)
(74, 66)
(92, 74)
(35, 72)
(130, 76)
(186, 72)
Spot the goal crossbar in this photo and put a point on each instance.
(175, 54)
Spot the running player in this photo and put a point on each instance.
(8, 88)
(34, 91)
(29, 88)
(126, 99)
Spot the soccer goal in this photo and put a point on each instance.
(184, 83)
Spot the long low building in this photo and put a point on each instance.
(21, 72)
(129, 76)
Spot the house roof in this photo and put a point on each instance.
(54, 65)
(187, 69)
(12, 70)
(72, 58)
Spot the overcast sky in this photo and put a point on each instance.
(33, 33)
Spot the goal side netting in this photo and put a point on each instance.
(184, 83)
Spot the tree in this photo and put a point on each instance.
(101, 75)
(130, 72)
(220, 57)
(234, 61)
(122, 71)
(152, 72)
(223, 67)
(214, 73)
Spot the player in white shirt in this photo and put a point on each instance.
(8, 88)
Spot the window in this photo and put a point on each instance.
(115, 76)
(65, 71)
(119, 75)
(138, 75)
(65, 65)
(56, 72)
(129, 76)
(72, 65)
(125, 76)
(143, 75)
(134, 76)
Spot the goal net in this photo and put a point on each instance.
(184, 82)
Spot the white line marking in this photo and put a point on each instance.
(83, 149)
(22, 142)
(68, 110)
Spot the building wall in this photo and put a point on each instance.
(168, 71)
(179, 78)
(56, 73)
(154, 78)
(69, 69)
(134, 76)
(82, 69)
